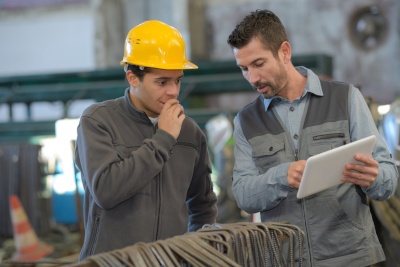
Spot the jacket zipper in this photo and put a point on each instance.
(158, 185)
(296, 154)
(158, 206)
(94, 235)
(328, 136)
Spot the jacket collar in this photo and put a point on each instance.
(129, 108)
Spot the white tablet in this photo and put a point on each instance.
(324, 170)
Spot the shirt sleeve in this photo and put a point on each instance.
(363, 125)
(255, 192)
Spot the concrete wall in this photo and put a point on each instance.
(320, 26)
(76, 35)
(46, 39)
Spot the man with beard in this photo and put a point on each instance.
(296, 116)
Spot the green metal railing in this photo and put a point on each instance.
(211, 78)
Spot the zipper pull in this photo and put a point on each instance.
(296, 155)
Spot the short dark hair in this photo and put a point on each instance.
(263, 24)
(139, 71)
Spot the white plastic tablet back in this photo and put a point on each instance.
(324, 170)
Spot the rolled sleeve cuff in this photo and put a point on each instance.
(281, 176)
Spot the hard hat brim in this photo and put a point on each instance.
(185, 66)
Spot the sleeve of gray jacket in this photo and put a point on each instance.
(110, 178)
(201, 199)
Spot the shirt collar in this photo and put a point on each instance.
(313, 86)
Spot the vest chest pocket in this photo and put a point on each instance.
(268, 154)
(324, 142)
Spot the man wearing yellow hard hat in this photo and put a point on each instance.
(145, 165)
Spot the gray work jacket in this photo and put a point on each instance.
(141, 185)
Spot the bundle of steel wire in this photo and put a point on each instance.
(236, 244)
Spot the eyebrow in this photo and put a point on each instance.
(168, 78)
(253, 62)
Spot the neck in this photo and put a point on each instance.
(295, 85)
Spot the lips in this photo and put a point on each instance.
(261, 88)
(259, 85)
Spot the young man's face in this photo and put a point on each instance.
(266, 73)
(157, 86)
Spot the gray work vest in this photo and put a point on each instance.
(325, 125)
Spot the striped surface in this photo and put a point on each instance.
(27, 245)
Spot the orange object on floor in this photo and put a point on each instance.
(27, 245)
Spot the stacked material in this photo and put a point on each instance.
(22, 174)
(239, 244)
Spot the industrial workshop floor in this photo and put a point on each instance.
(66, 241)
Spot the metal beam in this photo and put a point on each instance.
(211, 78)
(12, 132)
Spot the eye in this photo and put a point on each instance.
(161, 83)
(244, 69)
(259, 65)
(179, 81)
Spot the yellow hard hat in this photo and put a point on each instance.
(157, 45)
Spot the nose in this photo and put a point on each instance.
(173, 90)
(252, 76)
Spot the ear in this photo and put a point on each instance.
(286, 51)
(132, 79)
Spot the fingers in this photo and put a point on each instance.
(363, 173)
(295, 173)
(171, 117)
(364, 179)
(177, 111)
(174, 107)
(367, 160)
(170, 103)
(360, 179)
